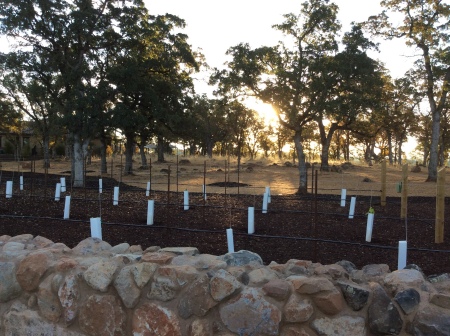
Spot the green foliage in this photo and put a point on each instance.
(84, 68)
(60, 149)
(26, 151)
(305, 77)
(8, 148)
(424, 25)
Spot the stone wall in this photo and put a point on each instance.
(47, 288)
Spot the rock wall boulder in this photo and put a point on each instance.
(47, 288)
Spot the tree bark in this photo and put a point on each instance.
(129, 151)
(144, 164)
(435, 110)
(347, 146)
(325, 141)
(209, 147)
(324, 165)
(368, 154)
(338, 145)
(400, 144)
(45, 145)
(160, 149)
(303, 186)
(425, 156)
(79, 153)
(103, 163)
(239, 150)
(435, 129)
(391, 157)
(192, 149)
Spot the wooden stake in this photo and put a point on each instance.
(150, 177)
(177, 174)
(315, 215)
(383, 183)
(204, 184)
(404, 203)
(440, 207)
(168, 185)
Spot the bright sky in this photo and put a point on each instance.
(215, 26)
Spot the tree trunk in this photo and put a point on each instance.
(68, 146)
(144, 164)
(325, 141)
(89, 156)
(239, 155)
(400, 143)
(324, 165)
(347, 146)
(432, 166)
(79, 153)
(129, 151)
(209, 149)
(303, 186)
(391, 157)
(192, 149)
(279, 149)
(251, 150)
(425, 155)
(435, 110)
(103, 163)
(368, 154)
(45, 146)
(338, 145)
(441, 154)
(160, 149)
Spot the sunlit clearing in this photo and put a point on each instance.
(287, 148)
(265, 111)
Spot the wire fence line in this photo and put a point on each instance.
(135, 197)
(220, 232)
(35, 181)
(196, 200)
(181, 174)
(169, 194)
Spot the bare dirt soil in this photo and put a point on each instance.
(295, 227)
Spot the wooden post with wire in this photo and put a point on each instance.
(177, 175)
(204, 184)
(112, 165)
(383, 183)
(204, 191)
(315, 215)
(150, 177)
(32, 165)
(225, 181)
(440, 207)
(168, 185)
(121, 168)
(238, 177)
(404, 202)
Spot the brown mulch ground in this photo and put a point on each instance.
(292, 228)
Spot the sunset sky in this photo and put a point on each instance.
(214, 26)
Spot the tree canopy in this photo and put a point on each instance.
(82, 69)
(425, 26)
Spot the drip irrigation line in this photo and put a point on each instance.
(49, 218)
(136, 188)
(330, 241)
(104, 201)
(329, 198)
